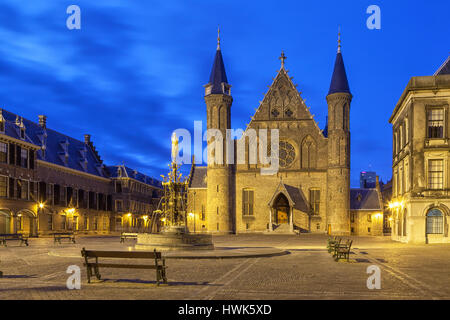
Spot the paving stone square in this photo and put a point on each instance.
(306, 271)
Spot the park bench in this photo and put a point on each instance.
(332, 244)
(342, 251)
(57, 236)
(159, 262)
(126, 235)
(13, 236)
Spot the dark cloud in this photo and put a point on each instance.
(136, 69)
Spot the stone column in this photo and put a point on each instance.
(291, 219)
(270, 220)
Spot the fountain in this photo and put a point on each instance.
(168, 225)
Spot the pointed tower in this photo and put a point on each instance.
(220, 216)
(338, 174)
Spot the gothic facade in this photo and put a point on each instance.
(311, 190)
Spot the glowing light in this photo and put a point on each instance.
(163, 219)
(71, 210)
(191, 214)
(145, 218)
(129, 215)
(41, 205)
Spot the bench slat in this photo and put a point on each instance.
(123, 254)
(127, 266)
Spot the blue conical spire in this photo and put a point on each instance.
(218, 75)
(339, 82)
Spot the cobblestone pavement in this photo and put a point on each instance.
(308, 272)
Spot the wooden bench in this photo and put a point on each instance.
(57, 236)
(126, 235)
(13, 236)
(159, 266)
(343, 251)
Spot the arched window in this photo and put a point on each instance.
(435, 221)
(308, 153)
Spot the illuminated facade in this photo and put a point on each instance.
(421, 152)
(311, 190)
(52, 182)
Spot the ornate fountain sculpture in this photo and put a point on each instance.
(174, 201)
(169, 222)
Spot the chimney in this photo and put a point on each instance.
(377, 184)
(43, 121)
(87, 138)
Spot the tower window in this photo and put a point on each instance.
(247, 202)
(314, 201)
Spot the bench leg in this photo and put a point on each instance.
(89, 273)
(97, 273)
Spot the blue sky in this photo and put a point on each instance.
(136, 69)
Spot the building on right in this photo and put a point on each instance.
(420, 202)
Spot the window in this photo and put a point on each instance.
(95, 223)
(19, 188)
(24, 158)
(118, 186)
(314, 201)
(352, 217)
(436, 123)
(203, 212)
(63, 222)
(24, 189)
(2, 124)
(247, 201)
(369, 218)
(50, 222)
(435, 221)
(56, 194)
(436, 174)
(119, 206)
(69, 197)
(3, 152)
(22, 133)
(42, 192)
(3, 186)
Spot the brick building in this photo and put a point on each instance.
(50, 181)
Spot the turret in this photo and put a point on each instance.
(220, 216)
(338, 175)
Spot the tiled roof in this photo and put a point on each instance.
(364, 199)
(444, 69)
(124, 171)
(198, 178)
(218, 75)
(339, 82)
(61, 149)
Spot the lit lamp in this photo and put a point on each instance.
(192, 215)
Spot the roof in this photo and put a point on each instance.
(444, 69)
(123, 171)
(60, 149)
(198, 177)
(293, 194)
(364, 199)
(339, 82)
(218, 75)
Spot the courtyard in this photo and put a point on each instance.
(306, 271)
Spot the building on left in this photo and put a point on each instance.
(52, 182)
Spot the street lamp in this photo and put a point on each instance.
(192, 215)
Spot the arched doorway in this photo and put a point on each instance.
(5, 221)
(281, 209)
(26, 223)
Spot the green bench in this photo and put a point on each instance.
(57, 236)
(127, 235)
(4, 237)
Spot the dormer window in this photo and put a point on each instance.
(359, 197)
(2, 125)
(22, 133)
